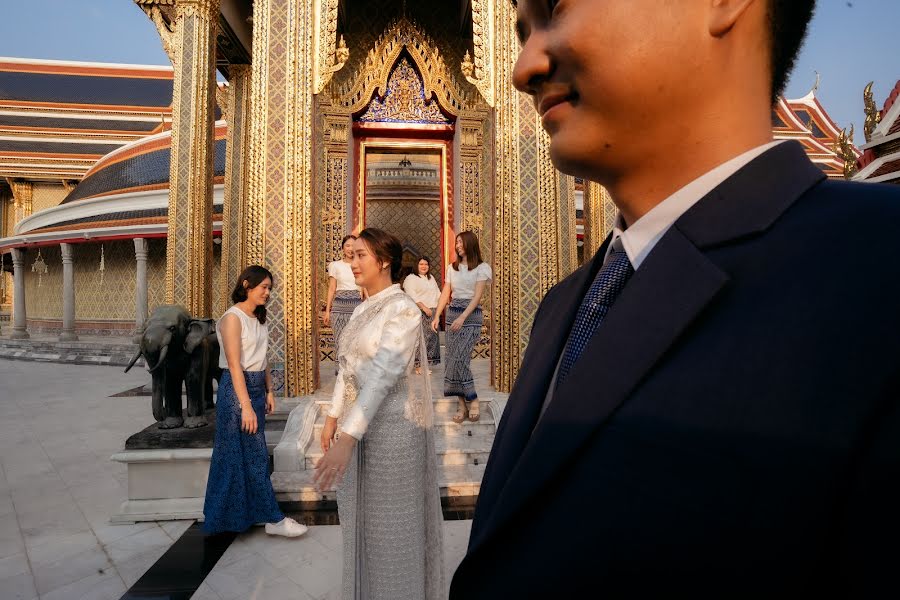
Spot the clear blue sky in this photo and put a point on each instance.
(850, 43)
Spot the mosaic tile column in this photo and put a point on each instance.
(189, 244)
(599, 217)
(234, 247)
(20, 323)
(140, 287)
(279, 219)
(531, 213)
(68, 325)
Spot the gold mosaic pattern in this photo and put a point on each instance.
(599, 217)
(480, 72)
(236, 168)
(404, 100)
(113, 297)
(189, 242)
(156, 273)
(505, 299)
(47, 196)
(568, 233)
(414, 222)
(43, 298)
(354, 94)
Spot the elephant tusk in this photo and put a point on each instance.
(162, 358)
(134, 360)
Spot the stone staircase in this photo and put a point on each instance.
(88, 350)
(462, 450)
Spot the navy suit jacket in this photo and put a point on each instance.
(733, 427)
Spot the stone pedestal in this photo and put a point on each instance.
(167, 471)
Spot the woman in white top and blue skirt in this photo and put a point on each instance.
(464, 287)
(239, 493)
(424, 291)
(343, 293)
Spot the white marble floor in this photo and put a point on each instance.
(58, 428)
(261, 567)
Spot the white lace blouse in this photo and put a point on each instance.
(378, 357)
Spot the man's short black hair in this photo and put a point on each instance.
(788, 22)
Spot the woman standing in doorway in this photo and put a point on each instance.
(423, 289)
(383, 459)
(466, 280)
(343, 293)
(238, 490)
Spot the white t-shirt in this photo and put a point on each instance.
(254, 342)
(343, 274)
(463, 282)
(422, 290)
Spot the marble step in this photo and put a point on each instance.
(454, 480)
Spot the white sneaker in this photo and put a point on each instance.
(286, 527)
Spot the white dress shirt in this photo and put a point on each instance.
(640, 239)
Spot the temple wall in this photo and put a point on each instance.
(101, 307)
(47, 195)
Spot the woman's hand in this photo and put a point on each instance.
(248, 419)
(326, 319)
(427, 312)
(331, 467)
(328, 432)
(457, 324)
(270, 402)
(436, 324)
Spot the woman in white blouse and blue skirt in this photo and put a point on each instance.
(422, 287)
(343, 293)
(238, 490)
(464, 287)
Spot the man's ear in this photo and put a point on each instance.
(724, 14)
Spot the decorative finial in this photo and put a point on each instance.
(873, 115)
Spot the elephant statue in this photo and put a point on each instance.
(202, 346)
(179, 350)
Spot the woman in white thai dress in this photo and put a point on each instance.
(422, 287)
(378, 441)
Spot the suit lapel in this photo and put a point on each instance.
(667, 293)
(548, 337)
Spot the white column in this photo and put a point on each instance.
(20, 327)
(68, 328)
(140, 288)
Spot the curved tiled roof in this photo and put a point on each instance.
(141, 165)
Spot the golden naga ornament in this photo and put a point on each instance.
(873, 115)
(844, 148)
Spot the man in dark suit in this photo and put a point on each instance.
(711, 406)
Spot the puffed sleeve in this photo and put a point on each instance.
(484, 272)
(337, 397)
(332, 269)
(395, 349)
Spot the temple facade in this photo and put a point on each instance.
(332, 116)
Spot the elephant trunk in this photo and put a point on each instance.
(134, 360)
(162, 358)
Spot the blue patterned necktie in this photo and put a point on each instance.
(607, 285)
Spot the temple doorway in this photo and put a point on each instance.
(405, 193)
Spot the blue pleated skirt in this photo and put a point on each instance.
(239, 492)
